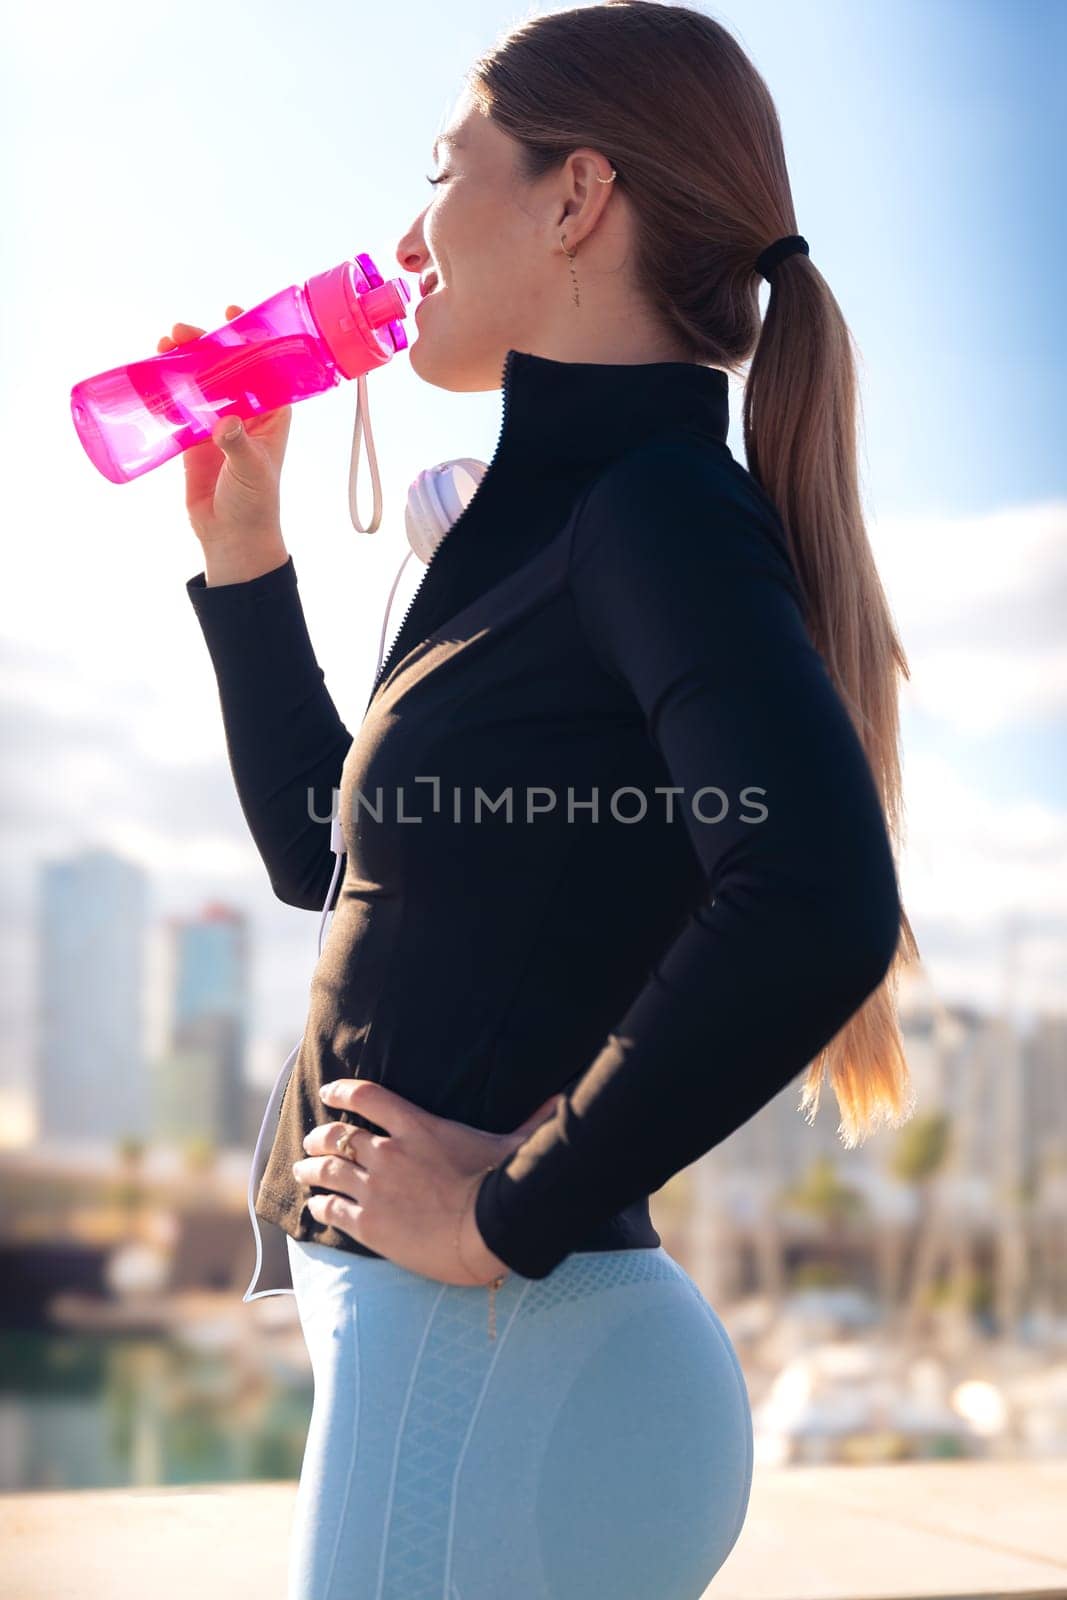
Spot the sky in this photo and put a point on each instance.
(159, 162)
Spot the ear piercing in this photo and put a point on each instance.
(570, 254)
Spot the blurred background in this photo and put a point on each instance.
(904, 1300)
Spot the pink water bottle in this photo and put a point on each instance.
(298, 343)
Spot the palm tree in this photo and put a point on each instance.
(200, 1157)
(129, 1191)
(918, 1157)
(821, 1194)
(200, 1153)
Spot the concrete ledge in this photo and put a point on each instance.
(913, 1531)
(922, 1531)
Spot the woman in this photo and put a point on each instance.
(640, 723)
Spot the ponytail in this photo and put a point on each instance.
(799, 417)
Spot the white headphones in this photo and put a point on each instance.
(435, 499)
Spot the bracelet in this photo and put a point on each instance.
(493, 1284)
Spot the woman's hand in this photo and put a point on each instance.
(403, 1195)
(232, 488)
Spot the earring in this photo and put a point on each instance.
(570, 254)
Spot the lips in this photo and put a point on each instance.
(429, 284)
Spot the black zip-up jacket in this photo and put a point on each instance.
(694, 889)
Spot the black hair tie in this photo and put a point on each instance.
(768, 259)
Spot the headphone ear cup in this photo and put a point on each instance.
(454, 482)
(437, 498)
(423, 519)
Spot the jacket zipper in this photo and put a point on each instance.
(494, 1285)
(387, 663)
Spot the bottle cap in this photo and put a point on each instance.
(358, 314)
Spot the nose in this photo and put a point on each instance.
(411, 252)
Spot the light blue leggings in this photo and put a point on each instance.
(599, 1448)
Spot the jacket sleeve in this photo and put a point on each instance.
(285, 739)
(683, 586)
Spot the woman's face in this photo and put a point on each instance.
(478, 238)
(492, 241)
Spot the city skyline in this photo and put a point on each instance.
(932, 230)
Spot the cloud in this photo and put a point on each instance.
(980, 602)
(76, 775)
(976, 853)
(99, 750)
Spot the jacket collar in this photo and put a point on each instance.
(582, 413)
(562, 423)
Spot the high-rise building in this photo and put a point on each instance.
(91, 1083)
(1045, 1057)
(201, 1078)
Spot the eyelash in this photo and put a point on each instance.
(436, 180)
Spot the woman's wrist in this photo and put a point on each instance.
(474, 1254)
(240, 563)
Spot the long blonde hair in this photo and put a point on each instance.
(669, 96)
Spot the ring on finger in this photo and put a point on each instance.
(345, 1136)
